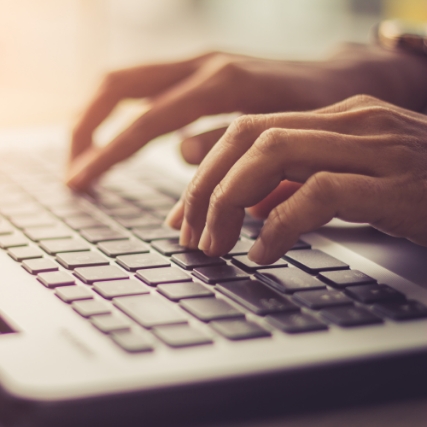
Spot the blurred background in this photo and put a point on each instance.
(54, 52)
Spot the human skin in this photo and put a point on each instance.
(214, 83)
(361, 160)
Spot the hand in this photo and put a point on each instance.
(214, 83)
(361, 160)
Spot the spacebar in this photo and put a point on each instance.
(149, 311)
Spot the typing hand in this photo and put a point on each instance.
(361, 160)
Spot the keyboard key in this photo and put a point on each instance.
(178, 291)
(207, 309)
(96, 235)
(128, 211)
(140, 261)
(251, 231)
(370, 294)
(84, 221)
(350, 316)
(300, 245)
(56, 278)
(54, 247)
(246, 264)
(288, 280)
(99, 274)
(132, 342)
(323, 298)
(192, 260)
(160, 201)
(145, 221)
(150, 234)
(25, 252)
(257, 297)
(40, 220)
(123, 247)
(73, 293)
(5, 228)
(343, 278)
(149, 311)
(67, 211)
(402, 310)
(239, 329)
(47, 233)
(12, 241)
(120, 288)
(220, 273)
(155, 276)
(241, 247)
(181, 336)
(91, 307)
(110, 323)
(170, 247)
(296, 323)
(314, 261)
(35, 266)
(73, 260)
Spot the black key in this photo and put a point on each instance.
(402, 310)
(296, 323)
(35, 266)
(257, 297)
(314, 261)
(12, 241)
(56, 278)
(181, 336)
(123, 247)
(24, 252)
(288, 280)
(120, 288)
(132, 342)
(110, 323)
(84, 221)
(251, 231)
(99, 274)
(370, 294)
(155, 276)
(207, 309)
(350, 316)
(170, 246)
(343, 278)
(246, 264)
(241, 247)
(40, 220)
(141, 261)
(73, 293)
(96, 235)
(149, 311)
(192, 260)
(145, 221)
(91, 307)
(178, 291)
(53, 247)
(47, 233)
(73, 260)
(239, 329)
(150, 234)
(300, 245)
(220, 273)
(323, 298)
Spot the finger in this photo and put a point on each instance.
(353, 198)
(277, 154)
(195, 148)
(281, 193)
(137, 82)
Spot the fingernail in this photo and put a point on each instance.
(174, 217)
(186, 234)
(205, 241)
(257, 252)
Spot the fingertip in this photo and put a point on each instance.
(175, 217)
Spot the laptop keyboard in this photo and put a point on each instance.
(109, 258)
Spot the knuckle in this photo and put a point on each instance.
(279, 217)
(193, 194)
(321, 187)
(243, 125)
(271, 141)
(219, 197)
(363, 100)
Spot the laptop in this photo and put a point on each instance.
(106, 320)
